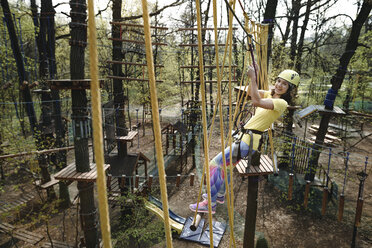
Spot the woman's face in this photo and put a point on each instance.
(281, 86)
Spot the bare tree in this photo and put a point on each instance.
(336, 81)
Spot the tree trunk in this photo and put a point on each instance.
(45, 40)
(296, 6)
(80, 121)
(23, 77)
(119, 97)
(337, 80)
(298, 64)
(59, 125)
(269, 17)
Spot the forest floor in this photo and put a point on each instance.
(283, 223)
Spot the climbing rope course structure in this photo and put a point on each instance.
(121, 161)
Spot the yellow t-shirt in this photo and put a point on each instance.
(263, 118)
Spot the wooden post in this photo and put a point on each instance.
(109, 182)
(174, 138)
(358, 214)
(324, 201)
(137, 181)
(306, 197)
(290, 186)
(341, 207)
(122, 182)
(192, 178)
(178, 180)
(167, 141)
(150, 182)
(251, 212)
(131, 183)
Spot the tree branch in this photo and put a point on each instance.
(176, 3)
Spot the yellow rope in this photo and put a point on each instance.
(97, 129)
(156, 122)
(230, 200)
(205, 130)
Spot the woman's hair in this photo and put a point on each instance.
(290, 95)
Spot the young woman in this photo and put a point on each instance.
(270, 106)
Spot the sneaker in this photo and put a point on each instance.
(203, 207)
(220, 199)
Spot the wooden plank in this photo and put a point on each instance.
(70, 173)
(6, 227)
(49, 184)
(56, 244)
(129, 63)
(28, 237)
(207, 81)
(264, 168)
(72, 83)
(132, 79)
(211, 29)
(139, 42)
(63, 171)
(266, 163)
(195, 45)
(137, 25)
(129, 138)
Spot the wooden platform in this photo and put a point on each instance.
(128, 165)
(132, 79)
(72, 84)
(129, 138)
(265, 168)
(69, 173)
(208, 81)
(23, 200)
(130, 63)
(46, 185)
(21, 234)
(56, 244)
(138, 42)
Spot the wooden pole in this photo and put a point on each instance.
(306, 197)
(251, 212)
(150, 182)
(341, 207)
(324, 201)
(290, 186)
(137, 181)
(358, 214)
(192, 178)
(122, 182)
(178, 180)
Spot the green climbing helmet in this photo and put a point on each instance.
(290, 76)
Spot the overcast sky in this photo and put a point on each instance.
(341, 7)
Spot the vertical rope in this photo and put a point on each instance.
(156, 122)
(204, 119)
(230, 194)
(97, 127)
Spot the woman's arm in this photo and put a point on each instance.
(256, 97)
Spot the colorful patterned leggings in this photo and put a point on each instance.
(217, 173)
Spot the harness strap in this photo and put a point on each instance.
(245, 131)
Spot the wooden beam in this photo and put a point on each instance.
(136, 25)
(138, 42)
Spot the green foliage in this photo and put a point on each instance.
(262, 242)
(137, 228)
